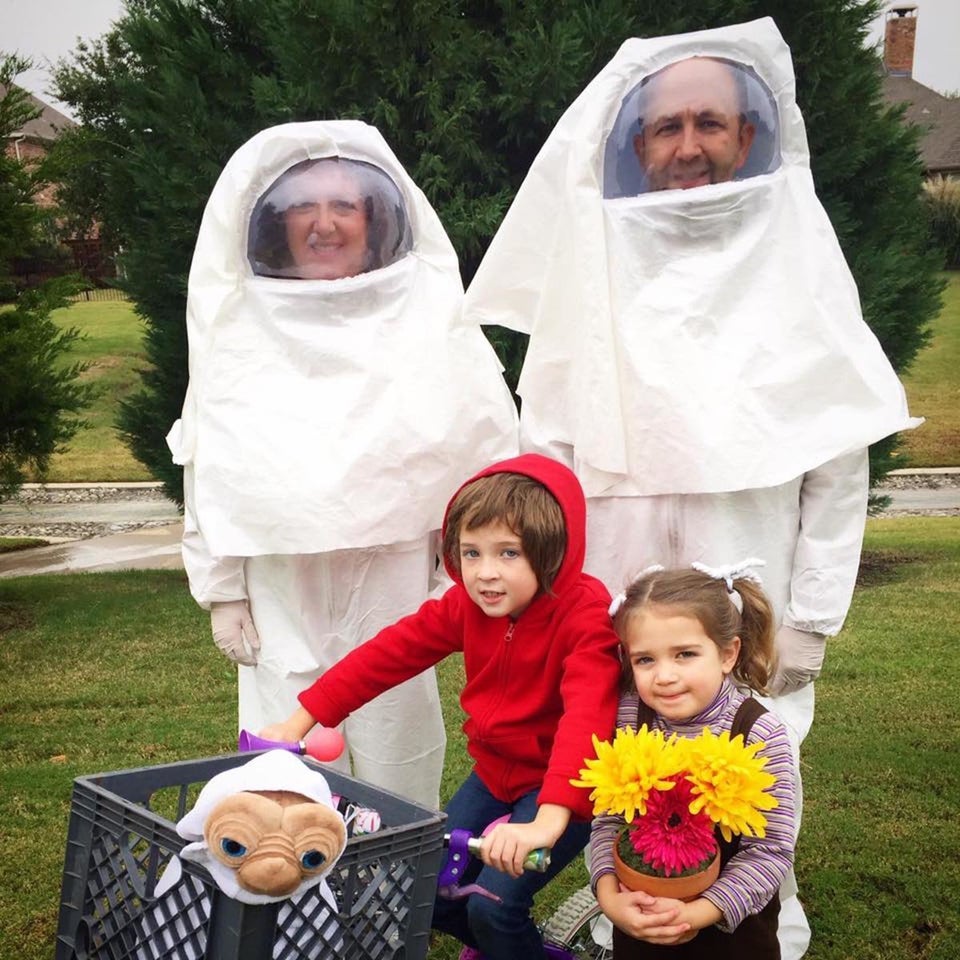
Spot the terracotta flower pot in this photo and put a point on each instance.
(678, 888)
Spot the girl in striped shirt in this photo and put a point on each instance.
(697, 643)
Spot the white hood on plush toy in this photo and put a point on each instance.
(275, 770)
(684, 341)
(330, 414)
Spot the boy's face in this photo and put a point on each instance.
(497, 576)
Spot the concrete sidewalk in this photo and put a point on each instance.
(149, 548)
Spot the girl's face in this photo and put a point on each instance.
(327, 229)
(677, 668)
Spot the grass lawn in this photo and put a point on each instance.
(933, 389)
(11, 544)
(117, 670)
(112, 344)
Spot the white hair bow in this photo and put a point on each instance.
(621, 597)
(744, 570)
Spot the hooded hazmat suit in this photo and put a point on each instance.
(698, 356)
(335, 398)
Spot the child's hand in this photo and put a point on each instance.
(652, 919)
(277, 732)
(667, 921)
(507, 845)
(293, 729)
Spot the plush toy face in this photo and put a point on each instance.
(274, 839)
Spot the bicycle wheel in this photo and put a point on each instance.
(580, 927)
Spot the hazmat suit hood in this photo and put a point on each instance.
(331, 405)
(684, 340)
(566, 490)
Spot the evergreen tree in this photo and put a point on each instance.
(39, 394)
(465, 94)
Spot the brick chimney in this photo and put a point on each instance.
(899, 39)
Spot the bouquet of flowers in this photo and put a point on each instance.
(673, 792)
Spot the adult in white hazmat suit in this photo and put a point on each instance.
(336, 397)
(697, 351)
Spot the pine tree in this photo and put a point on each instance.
(40, 395)
(465, 94)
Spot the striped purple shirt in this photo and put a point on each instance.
(753, 876)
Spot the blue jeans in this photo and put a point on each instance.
(501, 931)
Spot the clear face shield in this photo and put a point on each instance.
(696, 122)
(328, 219)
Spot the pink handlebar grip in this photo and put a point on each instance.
(322, 743)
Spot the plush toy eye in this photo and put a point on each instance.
(232, 848)
(312, 859)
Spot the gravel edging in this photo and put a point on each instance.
(92, 493)
(32, 494)
(60, 532)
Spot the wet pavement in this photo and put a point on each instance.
(92, 527)
(133, 526)
(148, 548)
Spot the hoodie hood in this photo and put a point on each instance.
(566, 490)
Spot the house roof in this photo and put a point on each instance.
(45, 127)
(939, 117)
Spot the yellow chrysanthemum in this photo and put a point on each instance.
(729, 782)
(626, 770)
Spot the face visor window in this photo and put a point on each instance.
(696, 122)
(328, 219)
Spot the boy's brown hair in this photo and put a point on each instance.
(526, 506)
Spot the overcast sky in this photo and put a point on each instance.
(46, 30)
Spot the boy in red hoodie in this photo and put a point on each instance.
(542, 674)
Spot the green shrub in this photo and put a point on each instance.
(942, 195)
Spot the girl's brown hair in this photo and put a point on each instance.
(525, 506)
(691, 593)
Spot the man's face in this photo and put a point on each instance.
(692, 131)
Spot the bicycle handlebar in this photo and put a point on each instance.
(322, 743)
(536, 861)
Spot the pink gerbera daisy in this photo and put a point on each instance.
(670, 838)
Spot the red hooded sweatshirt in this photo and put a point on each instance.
(537, 687)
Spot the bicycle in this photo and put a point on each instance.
(577, 930)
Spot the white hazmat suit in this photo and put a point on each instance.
(698, 356)
(331, 410)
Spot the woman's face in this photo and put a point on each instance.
(327, 226)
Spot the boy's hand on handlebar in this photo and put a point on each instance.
(294, 728)
(507, 845)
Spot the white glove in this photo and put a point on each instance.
(799, 659)
(232, 625)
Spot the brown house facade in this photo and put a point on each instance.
(29, 145)
(938, 116)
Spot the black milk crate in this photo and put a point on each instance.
(122, 837)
